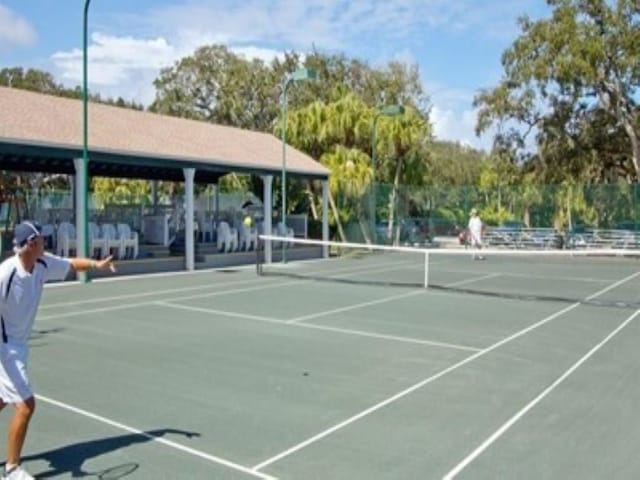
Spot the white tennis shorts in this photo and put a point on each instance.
(14, 382)
(476, 241)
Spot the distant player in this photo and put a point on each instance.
(476, 230)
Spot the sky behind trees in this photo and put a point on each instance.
(457, 45)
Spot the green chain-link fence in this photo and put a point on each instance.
(410, 213)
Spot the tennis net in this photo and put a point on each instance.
(548, 275)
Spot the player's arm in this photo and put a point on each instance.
(81, 264)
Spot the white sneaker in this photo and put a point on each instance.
(17, 473)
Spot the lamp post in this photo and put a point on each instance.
(83, 210)
(298, 75)
(389, 111)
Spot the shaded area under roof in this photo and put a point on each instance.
(43, 133)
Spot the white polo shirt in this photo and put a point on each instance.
(475, 227)
(21, 292)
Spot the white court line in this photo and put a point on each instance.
(541, 277)
(347, 331)
(164, 441)
(121, 278)
(472, 280)
(363, 333)
(201, 295)
(349, 271)
(146, 303)
(509, 423)
(382, 300)
(244, 316)
(148, 294)
(353, 307)
(428, 380)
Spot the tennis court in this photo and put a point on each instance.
(229, 375)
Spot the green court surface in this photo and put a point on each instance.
(229, 375)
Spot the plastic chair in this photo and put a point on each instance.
(66, 239)
(96, 241)
(110, 235)
(128, 239)
(227, 238)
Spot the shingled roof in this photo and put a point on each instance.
(44, 133)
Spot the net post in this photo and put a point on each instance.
(259, 256)
(426, 270)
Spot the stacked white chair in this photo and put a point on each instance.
(227, 238)
(49, 232)
(96, 241)
(205, 227)
(110, 235)
(128, 239)
(66, 239)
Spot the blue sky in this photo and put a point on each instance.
(456, 43)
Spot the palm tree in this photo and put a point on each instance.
(355, 178)
(327, 132)
(308, 130)
(402, 140)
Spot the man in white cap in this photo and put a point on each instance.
(22, 277)
(475, 233)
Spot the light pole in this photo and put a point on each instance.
(389, 111)
(83, 211)
(298, 75)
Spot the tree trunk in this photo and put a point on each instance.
(334, 209)
(312, 203)
(635, 146)
(393, 197)
(621, 110)
(364, 228)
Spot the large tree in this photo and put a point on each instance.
(572, 78)
(216, 85)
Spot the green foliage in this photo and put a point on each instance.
(495, 215)
(216, 85)
(451, 163)
(117, 191)
(572, 80)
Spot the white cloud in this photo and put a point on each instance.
(118, 66)
(458, 126)
(126, 67)
(334, 23)
(15, 30)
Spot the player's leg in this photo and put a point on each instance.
(474, 247)
(479, 249)
(23, 411)
(15, 388)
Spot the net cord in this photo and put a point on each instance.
(486, 251)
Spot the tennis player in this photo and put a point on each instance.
(475, 232)
(21, 281)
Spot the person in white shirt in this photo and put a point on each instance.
(476, 229)
(22, 277)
